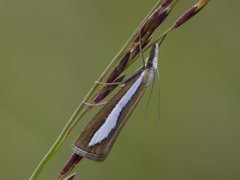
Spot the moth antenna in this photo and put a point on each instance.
(149, 98)
(158, 94)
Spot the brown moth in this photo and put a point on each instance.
(99, 135)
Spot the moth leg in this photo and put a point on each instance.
(94, 105)
(108, 84)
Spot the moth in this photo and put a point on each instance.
(98, 137)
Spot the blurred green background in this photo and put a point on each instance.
(52, 51)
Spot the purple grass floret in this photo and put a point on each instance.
(157, 18)
(190, 13)
(119, 68)
(69, 165)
